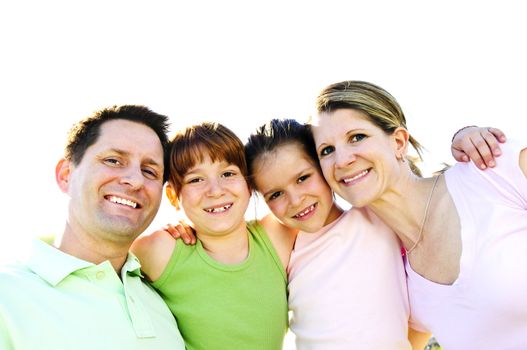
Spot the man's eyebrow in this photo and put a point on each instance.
(149, 160)
(153, 162)
(118, 151)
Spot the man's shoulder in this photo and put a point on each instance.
(16, 279)
(14, 270)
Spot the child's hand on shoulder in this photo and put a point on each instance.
(481, 145)
(181, 230)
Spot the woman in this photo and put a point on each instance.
(464, 232)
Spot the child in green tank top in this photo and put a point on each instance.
(229, 291)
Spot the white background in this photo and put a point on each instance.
(449, 64)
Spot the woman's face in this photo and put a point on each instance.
(358, 160)
(294, 189)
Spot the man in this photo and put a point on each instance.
(87, 293)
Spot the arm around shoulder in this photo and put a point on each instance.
(281, 236)
(154, 251)
(418, 339)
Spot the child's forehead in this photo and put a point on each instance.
(203, 155)
(206, 160)
(291, 148)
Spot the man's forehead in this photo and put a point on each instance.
(128, 137)
(122, 125)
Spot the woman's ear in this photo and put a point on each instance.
(401, 138)
(172, 195)
(62, 174)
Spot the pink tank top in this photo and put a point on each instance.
(486, 307)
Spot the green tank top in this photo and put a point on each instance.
(231, 307)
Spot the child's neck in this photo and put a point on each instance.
(229, 248)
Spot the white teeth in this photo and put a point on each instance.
(361, 174)
(219, 209)
(123, 201)
(305, 212)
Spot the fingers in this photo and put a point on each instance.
(182, 231)
(494, 137)
(481, 145)
(468, 144)
(174, 232)
(459, 155)
(187, 233)
(500, 135)
(480, 153)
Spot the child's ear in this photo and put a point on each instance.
(172, 195)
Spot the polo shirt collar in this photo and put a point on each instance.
(53, 265)
(132, 266)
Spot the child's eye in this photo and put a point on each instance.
(275, 195)
(326, 150)
(302, 179)
(357, 137)
(194, 180)
(228, 174)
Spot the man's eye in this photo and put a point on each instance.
(275, 195)
(150, 173)
(326, 150)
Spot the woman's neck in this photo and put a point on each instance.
(403, 207)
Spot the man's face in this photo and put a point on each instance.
(115, 191)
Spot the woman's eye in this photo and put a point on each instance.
(357, 137)
(112, 161)
(326, 150)
(229, 173)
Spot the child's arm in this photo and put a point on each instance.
(281, 236)
(481, 145)
(523, 161)
(154, 251)
(417, 339)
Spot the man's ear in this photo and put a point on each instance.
(62, 174)
(401, 137)
(172, 195)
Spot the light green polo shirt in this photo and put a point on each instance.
(52, 300)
